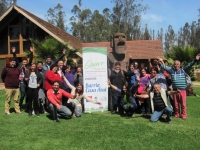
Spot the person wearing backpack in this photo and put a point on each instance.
(10, 77)
(178, 77)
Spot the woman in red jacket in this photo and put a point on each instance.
(51, 76)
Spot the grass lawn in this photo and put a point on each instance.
(99, 131)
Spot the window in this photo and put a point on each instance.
(27, 32)
(26, 45)
(14, 33)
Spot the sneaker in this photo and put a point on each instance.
(19, 113)
(113, 112)
(30, 113)
(170, 122)
(8, 113)
(57, 120)
(38, 114)
(74, 116)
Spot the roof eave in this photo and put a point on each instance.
(6, 13)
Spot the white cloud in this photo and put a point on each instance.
(152, 17)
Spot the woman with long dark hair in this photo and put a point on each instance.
(142, 89)
(34, 80)
(129, 103)
(75, 104)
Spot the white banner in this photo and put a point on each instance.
(95, 78)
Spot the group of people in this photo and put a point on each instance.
(54, 86)
(57, 87)
(158, 89)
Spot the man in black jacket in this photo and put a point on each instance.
(117, 79)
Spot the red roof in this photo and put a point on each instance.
(140, 49)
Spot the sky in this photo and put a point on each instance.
(160, 13)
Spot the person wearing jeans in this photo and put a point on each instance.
(126, 100)
(160, 102)
(178, 77)
(34, 80)
(56, 108)
(24, 68)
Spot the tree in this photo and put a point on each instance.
(126, 17)
(80, 22)
(170, 38)
(56, 16)
(99, 27)
(184, 35)
(146, 35)
(5, 4)
(193, 29)
(51, 47)
(184, 55)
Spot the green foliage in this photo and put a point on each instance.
(185, 55)
(99, 131)
(50, 47)
(125, 17)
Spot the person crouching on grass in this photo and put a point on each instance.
(55, 96)
(75, 103)
(160, 102)
(129, 103)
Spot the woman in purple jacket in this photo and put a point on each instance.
(69, 74)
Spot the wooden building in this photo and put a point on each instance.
(17, 26)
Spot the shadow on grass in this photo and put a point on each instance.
(60, 117)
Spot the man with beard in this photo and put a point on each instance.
(49, 62)
(10, 77)
(56, 108)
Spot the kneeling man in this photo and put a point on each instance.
(56, 108)
(160, 103)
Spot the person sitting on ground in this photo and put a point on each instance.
(160, 102)
(129, 103)
(75, 103)
(55, 96)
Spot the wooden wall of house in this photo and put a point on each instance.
(2, 65)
